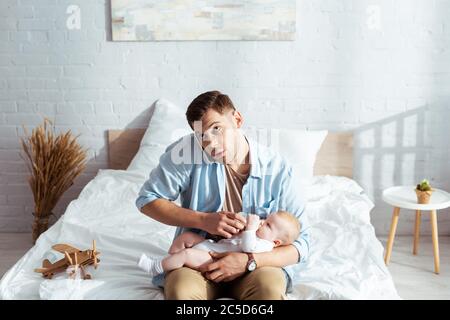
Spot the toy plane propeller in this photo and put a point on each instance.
(73, 258)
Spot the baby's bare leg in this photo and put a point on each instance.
(185, 240)
(192, 258)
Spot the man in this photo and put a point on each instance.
(234, 175)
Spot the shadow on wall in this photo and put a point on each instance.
(108, 25)
(402, 150)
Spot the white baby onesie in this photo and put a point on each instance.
(246, 241)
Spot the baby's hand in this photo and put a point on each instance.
(252, 222)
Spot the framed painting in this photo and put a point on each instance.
(156, 20)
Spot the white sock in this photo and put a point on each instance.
(151, 266)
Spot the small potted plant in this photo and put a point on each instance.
(424, 191)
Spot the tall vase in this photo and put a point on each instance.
(40, 225)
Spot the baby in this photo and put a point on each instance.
(191, 250)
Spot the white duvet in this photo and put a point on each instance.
(346, 259)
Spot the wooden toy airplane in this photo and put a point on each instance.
(73, 259)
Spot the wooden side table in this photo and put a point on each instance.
(404, 197)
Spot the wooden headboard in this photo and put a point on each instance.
(335, 157)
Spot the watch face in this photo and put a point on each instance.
(252, 265)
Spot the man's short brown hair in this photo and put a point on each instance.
(209, 100)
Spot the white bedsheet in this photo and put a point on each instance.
(346, 260)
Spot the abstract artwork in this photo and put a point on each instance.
(158, 20)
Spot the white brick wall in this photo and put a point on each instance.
(386, 77)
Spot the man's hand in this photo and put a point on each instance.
(228, 267)
(223, 223)
(252, 222)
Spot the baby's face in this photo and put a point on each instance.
(269, 229)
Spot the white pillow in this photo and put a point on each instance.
(167, 124)
(299, 147)
(146, 159)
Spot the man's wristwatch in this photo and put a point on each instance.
(251, 264)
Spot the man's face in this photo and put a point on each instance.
(218, 134)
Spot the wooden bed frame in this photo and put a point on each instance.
(335, 157)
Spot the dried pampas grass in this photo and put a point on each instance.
(54, 161)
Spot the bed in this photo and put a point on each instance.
(346, 260)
